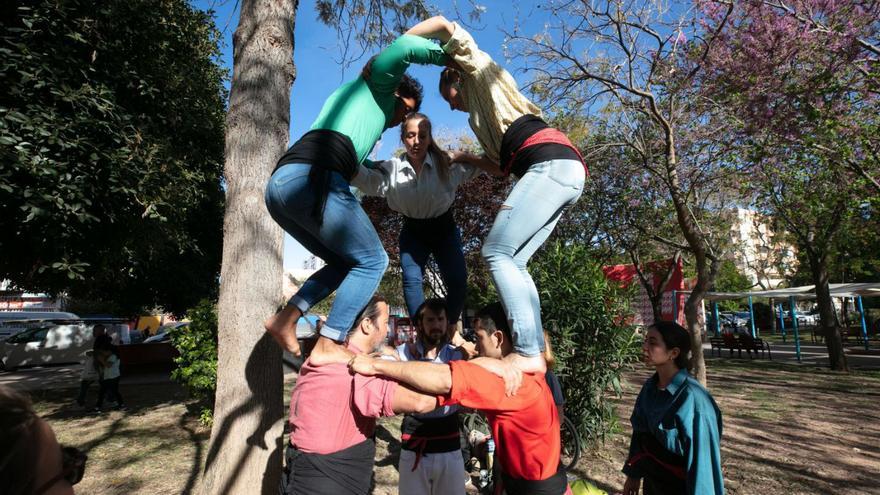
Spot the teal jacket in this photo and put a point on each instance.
(361, 109)
(685, 419)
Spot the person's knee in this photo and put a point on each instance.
(492, 252)
(375, 261)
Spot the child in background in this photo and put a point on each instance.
(89, 375)
(107, 355)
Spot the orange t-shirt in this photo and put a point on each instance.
(525, 427)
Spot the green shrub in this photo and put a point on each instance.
(586, 318)
(197, 364)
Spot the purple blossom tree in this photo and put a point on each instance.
(800, 78)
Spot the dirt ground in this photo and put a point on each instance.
(787, 430)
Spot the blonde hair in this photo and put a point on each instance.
(549, 357)
(440, 156)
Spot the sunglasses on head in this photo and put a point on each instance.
(73, 467)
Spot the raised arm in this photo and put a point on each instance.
(436, 28)
(388, 67)
(372, 181)
(430, 378)
(482, 162)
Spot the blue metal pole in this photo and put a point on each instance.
(794, 324)
(864, 326)
(717, 322)
(752, 317)
(675, 306)
(782, 322)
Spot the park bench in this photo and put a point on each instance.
(730, 341)
(753, 344)
(717, 343)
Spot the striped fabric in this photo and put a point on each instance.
(490, 92)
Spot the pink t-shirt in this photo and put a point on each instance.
(331, 410)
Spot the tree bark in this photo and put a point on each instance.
(833, 341)
(245, 451)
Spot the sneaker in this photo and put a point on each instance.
(95, 410)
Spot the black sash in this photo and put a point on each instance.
(516, 134)
(339, 473)
(664, 473)
(326, 151)
(430, 435)
(430, 230)
(554, 485)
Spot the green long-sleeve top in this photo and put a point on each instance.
(361, 109)
(685, 419)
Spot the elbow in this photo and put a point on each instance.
(446, 383)
(425, 404)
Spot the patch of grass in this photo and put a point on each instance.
(154, 447)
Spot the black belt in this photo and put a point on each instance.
(430, 228)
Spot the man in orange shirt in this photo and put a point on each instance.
(525, 426)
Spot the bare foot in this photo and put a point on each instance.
(328, 351)
(282, 327)
(534, 364)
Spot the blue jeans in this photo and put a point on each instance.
(446, 248)
(345, 240)
(523, 223)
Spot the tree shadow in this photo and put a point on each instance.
(264, 380)
(393, 457)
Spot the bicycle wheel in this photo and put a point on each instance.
(571, 444)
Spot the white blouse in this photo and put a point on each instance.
(423, 195)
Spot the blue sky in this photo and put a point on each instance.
(316, 54)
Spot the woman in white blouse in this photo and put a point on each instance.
(421, 185)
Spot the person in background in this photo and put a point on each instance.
(107, 356)
(31, 460)
(675, 445)
(88, 375)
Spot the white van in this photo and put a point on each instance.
(47, 343)
(13, 322)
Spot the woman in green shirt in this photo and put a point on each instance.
(309, 196)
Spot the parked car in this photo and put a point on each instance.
(13, 322)
(803, 319)
(162, 333)
(48, 343)
(733, 321)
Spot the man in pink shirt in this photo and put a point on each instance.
(333, 416)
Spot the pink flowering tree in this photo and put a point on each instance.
(800, 78)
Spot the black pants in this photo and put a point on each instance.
(84, 386)
(109, 389)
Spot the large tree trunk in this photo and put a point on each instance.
(833, 341)
(244, 456)
(705, 270)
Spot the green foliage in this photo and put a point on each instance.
(730, 279)
(585, 317)
(111, 151)
(197, 364)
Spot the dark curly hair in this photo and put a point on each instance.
(409, 87)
